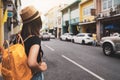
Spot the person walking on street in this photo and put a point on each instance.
(32, 24)
(94, 39)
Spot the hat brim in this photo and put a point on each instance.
(36, 15)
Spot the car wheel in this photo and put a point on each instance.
(83, 42)
(108, 49)
(72, 40)
(66, 39)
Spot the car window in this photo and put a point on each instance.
(65, 34)
(71, 34)
(90, 35)
(80, 35)
(45, 33)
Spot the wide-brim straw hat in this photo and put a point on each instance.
(29, 14)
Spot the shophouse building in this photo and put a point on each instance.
(87, 22)
(108, 17)
(54, 21)
(70, 18)
(9, 18)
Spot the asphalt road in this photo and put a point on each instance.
(70, 61)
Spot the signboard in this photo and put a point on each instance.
(93, 12)
(10, 14)
(10, 7)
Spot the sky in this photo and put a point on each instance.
(44, 5)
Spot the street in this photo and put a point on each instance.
(70, 61)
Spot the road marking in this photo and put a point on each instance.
(50, 48)
(95, 75)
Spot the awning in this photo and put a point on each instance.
(109, 18)
(112, 26)
(85, 23)
(109, 27)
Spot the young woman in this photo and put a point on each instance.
(32, 24)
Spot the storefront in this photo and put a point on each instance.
(88, 27)
(110, 25)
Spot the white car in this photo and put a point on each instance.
(45, 36)
(66, 36)
(83, 38)
(52, 36)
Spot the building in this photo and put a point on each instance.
(9, 17)
(87, 22)
(53, 19)
(70, 18)
(108, 17)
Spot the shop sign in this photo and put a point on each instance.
(10, 14)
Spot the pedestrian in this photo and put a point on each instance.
(32, 24)
(94, 39)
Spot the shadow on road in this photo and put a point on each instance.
(117, 56)
(1, 78)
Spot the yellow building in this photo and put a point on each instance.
(1, 23)
(9, 18)
(87, 21)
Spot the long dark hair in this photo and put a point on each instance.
(31, 28)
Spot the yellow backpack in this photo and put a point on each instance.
(14, 63)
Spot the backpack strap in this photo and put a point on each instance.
(28, 37)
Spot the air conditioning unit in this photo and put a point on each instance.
(100, 15)
(87, 20)
(106, 14)
(117, 9)
(84, 20)
(112, 11)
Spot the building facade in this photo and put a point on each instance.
(70, 18)
(9, 17)
(87, 22)
(108, 17)
(53, 18)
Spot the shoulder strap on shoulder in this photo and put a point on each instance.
(28, 37)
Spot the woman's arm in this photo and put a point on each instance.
(32, 59)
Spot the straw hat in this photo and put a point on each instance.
(29, 14)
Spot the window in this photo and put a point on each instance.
(104, 4)
(107, 4)
(90, 35)
(87, 10)
(116, 2)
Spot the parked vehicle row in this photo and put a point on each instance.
(109, 44)
(82, 38)
(47, 36)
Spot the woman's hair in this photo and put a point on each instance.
(31, 28)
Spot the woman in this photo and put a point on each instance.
(30, 33)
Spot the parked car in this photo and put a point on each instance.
(52, 36)
(66, 36)
(45, 36)
(111, 44)
(83, 38)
